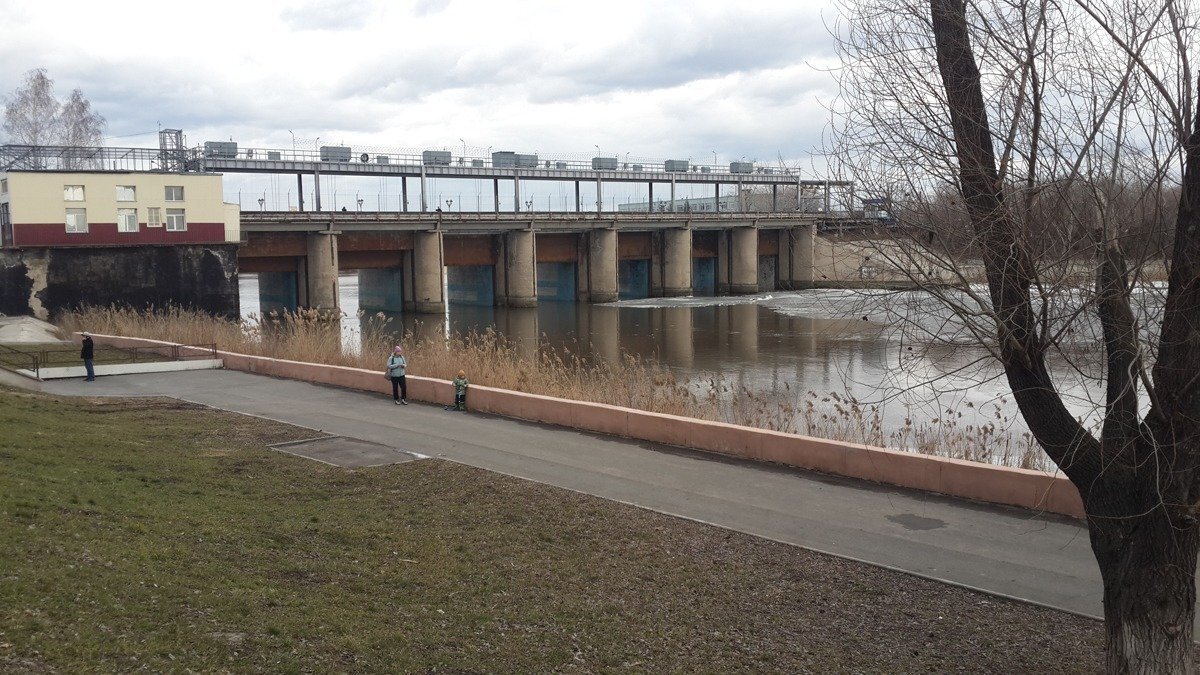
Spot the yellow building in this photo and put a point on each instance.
(85, 208)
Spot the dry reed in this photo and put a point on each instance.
(635, 382)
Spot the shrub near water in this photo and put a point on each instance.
(491, 359)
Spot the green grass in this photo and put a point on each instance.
(151, 534)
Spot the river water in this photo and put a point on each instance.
(778, 346)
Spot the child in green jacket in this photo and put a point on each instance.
(460, 390)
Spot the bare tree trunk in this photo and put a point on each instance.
(1149, 591)
(1139, 482)
(1143, 532)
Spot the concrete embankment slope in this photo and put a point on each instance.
(27, 330)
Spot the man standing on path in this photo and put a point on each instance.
(87, 353)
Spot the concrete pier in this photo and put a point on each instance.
(723, 263)
(520, 272)
(802, 254)
(504, 260)
(743, 267)
(677, 263)
(602, 266)
(321, 272)
(428, 282)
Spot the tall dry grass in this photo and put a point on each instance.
(634, 381)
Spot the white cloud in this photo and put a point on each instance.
(654, 79)
(329, 15)
(427, 7)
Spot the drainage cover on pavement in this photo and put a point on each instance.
(347, 452)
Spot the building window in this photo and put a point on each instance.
(174, 193)
(3, 186)
(77, 221)
(127, 220)
(126, 193)
(176, 221)
(73, 193)
(154, 217)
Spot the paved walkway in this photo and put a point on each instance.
(1043, 559)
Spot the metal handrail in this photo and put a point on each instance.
(56, 158)
(68, 158)
(198, 350)
(367, 155)
(41, 358)
(264, 217)
(5, 351)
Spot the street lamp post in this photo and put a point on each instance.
(449, 202)
(293, 143)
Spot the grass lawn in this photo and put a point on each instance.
(151, 534)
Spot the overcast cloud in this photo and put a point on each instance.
(654, 79)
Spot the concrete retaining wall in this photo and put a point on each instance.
(46, 281)
(959, 478)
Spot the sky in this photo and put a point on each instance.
(655, 79)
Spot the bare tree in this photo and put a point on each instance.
(80, 125)
(31, 113)
(1060, 128)
(33, 116)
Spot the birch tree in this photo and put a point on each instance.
(34, 116)
(31, 112)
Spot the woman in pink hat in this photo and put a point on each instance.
(396, 367)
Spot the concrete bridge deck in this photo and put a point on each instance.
(468, 222)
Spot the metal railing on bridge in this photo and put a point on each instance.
(229, 157)
(347, 155)
(64, 158)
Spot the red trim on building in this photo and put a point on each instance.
(106, 234)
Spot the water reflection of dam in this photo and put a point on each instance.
(768, 347)
(748, 344)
